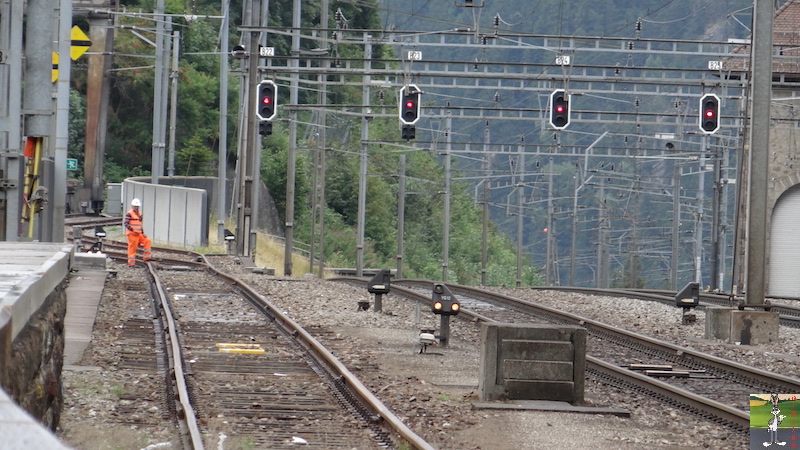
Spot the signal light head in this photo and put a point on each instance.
(559, 109)
(267, 100)
(409, 104)
(443, 301)
(709, 114)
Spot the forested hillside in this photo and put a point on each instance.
(130, 141)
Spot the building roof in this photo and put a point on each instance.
(785, 41)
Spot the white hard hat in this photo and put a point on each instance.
(136, 202)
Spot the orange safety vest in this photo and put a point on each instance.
(133, 222)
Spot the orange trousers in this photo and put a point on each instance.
(136, 240)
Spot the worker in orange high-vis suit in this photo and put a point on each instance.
(135, 233)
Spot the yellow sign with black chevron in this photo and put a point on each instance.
(79, 45)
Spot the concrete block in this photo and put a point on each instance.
(754, 327)
(718, 322)
(532, 362)
(539, 390)
(538, 350)
(89, 261)
(539, 370)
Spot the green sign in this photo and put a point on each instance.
(72, 164)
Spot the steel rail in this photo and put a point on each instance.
(787, 384)
(326, 358)
(789, 315)
(738, 418)
(699, 403)
(185, 412)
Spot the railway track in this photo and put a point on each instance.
(407, 404)
(789, 315)
(81, 220)
(254, 375)
(712, 387)
(296, 393)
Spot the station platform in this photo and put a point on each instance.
(30, 273)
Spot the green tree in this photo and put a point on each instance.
(193, 158)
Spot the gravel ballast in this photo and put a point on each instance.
(433, 392)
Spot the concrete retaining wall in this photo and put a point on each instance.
(32, 311)
(33, 375)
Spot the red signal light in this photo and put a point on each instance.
(709, 114)
(268, 99)
(559, 112)
(410, 101)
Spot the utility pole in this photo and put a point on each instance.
(362, 177)
(715, 221)
(98, 92)
(173, 102)
(291, 162)
(485, 227)
(574, 226)
(57, 199)
(755, 289)
(248, 173)
(447, 193)
(401, 213)
(520, 188)
(222, 157)
(157, 158)
(701, 195)
(36, 101)
(676, 220)
(548, 246)
(603, 245)
(11, 32)
(318, 202)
